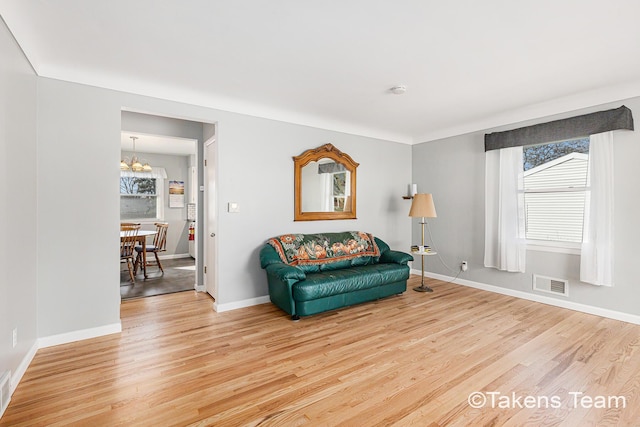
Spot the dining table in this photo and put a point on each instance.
(141, 238)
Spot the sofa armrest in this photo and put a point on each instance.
(395, 257)
(281, 278)
(286, 273)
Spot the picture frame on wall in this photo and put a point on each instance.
(176, 194)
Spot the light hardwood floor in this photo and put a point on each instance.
(412, 359)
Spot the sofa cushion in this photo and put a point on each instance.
(336, 265)
(324, 284)
(326, 248)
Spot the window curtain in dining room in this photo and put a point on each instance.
(596, 255)
(505, 245)
(157, 173)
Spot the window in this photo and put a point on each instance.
(505, 223)
(140, 198)
(339, 187)
(555, 187)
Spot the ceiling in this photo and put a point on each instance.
(158, 144)
(468, 65)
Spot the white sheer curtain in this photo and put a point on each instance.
(504, 244)
(596, 256)
(327, 192)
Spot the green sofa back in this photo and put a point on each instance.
(268, 256)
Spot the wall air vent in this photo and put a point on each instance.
(5, 391)
(551, 285)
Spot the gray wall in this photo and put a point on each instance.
(78, 208)
(255, 169)
(18, 258)
(453, 169)
(177, 168)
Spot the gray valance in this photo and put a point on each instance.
(559, 130)
(331, 168)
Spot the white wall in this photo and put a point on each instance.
(255, 169)
(453, 170)
(18, 258)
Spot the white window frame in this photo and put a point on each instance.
(571, 248)
(160, 175)
(347, 187)
(555, 246)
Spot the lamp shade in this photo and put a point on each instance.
(422, 206)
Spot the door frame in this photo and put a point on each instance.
(200, 173)
(210, 213)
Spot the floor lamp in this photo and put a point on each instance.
(422, 207)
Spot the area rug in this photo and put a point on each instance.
(179, 275)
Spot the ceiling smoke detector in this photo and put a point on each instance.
(398, 90)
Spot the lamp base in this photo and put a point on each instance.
(422, 288)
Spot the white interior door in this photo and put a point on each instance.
(210, 209)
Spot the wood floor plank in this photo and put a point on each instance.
(412, 359)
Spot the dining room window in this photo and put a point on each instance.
(339, 191)
(140, 198)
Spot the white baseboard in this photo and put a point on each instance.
(584, 308)
(52, 340)
(22, 367)
(173, 256)
(240, 304)
(79, 335)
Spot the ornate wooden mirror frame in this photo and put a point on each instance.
(326, 151)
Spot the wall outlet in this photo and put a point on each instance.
(464, 266)
(15, 337)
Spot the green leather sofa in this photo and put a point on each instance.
(328, 284)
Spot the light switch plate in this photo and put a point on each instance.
(233, 207)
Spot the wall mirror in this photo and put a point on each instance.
(325, 185)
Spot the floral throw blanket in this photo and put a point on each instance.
(309, 249)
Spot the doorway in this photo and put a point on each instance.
(175, 145)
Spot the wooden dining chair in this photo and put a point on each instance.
(159, 245)
(128, 240)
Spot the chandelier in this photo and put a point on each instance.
(134, 164)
